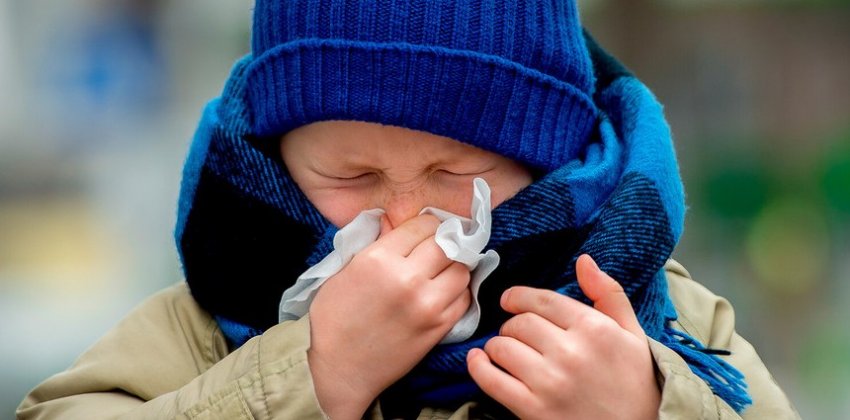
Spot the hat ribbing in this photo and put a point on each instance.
(513, 77)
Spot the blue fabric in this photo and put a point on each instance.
(510, 76)
(626, 192)
(513, 77)
(620, 200)
(237, 334)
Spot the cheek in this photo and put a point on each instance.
(341, 205)
(455, 199)
(452, 193)
(503, 193)
(338, 206)
(508, 186)
(456, 195)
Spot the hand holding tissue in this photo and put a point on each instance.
(461, 239)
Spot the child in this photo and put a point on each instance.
(347, 106)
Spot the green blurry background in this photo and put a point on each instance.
(98, 100)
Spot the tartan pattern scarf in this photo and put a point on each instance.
(245, 232)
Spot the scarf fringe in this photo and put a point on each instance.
(724, 380)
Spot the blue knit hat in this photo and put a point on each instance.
(513, 77)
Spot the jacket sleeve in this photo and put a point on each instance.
(168, 359)
(711, 319)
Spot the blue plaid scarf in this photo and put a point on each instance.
(245, 232)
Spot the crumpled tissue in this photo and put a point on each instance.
(462, 239)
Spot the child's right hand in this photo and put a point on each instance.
(374, 320)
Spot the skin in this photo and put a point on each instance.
(345, 167)
(556, 358)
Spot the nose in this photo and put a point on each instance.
(402, 206)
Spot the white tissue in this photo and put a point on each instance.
(460, 238)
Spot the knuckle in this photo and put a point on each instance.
(508, 327)
(566, 353)
(597, 325)
(465, 299)
(496, 348)
(607, 323)
(589, 321)
(616, 287)
(492, 384)
(458, 267)
(616, 293)
(372, 256)
(556, 380)
(559, 380)
(430, 219)
(423, 225)
(428, 308)
(410, 279)
(455, 312)
(546, 299)
(516, 324)
(460, 271)
(406, 287)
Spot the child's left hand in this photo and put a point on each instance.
(564, 359)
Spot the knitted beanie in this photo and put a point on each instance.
(510, 76)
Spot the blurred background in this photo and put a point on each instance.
(99, 99)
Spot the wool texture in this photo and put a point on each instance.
(516, 78)
(513, 77)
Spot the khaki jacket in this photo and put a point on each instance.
(168, 359)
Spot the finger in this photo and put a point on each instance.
(458, 308)
(450, 283)
(496, 383)
(386, 225)
(607, 295)
(429, 257)
(404, 238)
(535, 331)
(559, 309)
(514, 356)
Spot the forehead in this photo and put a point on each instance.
(363, 141)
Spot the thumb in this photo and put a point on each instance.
(607, 295)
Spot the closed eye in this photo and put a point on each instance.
(356, 177)
(458, 173)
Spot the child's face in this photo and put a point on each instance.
(345, 167)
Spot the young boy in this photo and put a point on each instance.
(347, 106)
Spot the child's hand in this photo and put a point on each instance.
(374, 320)
(564, 359)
